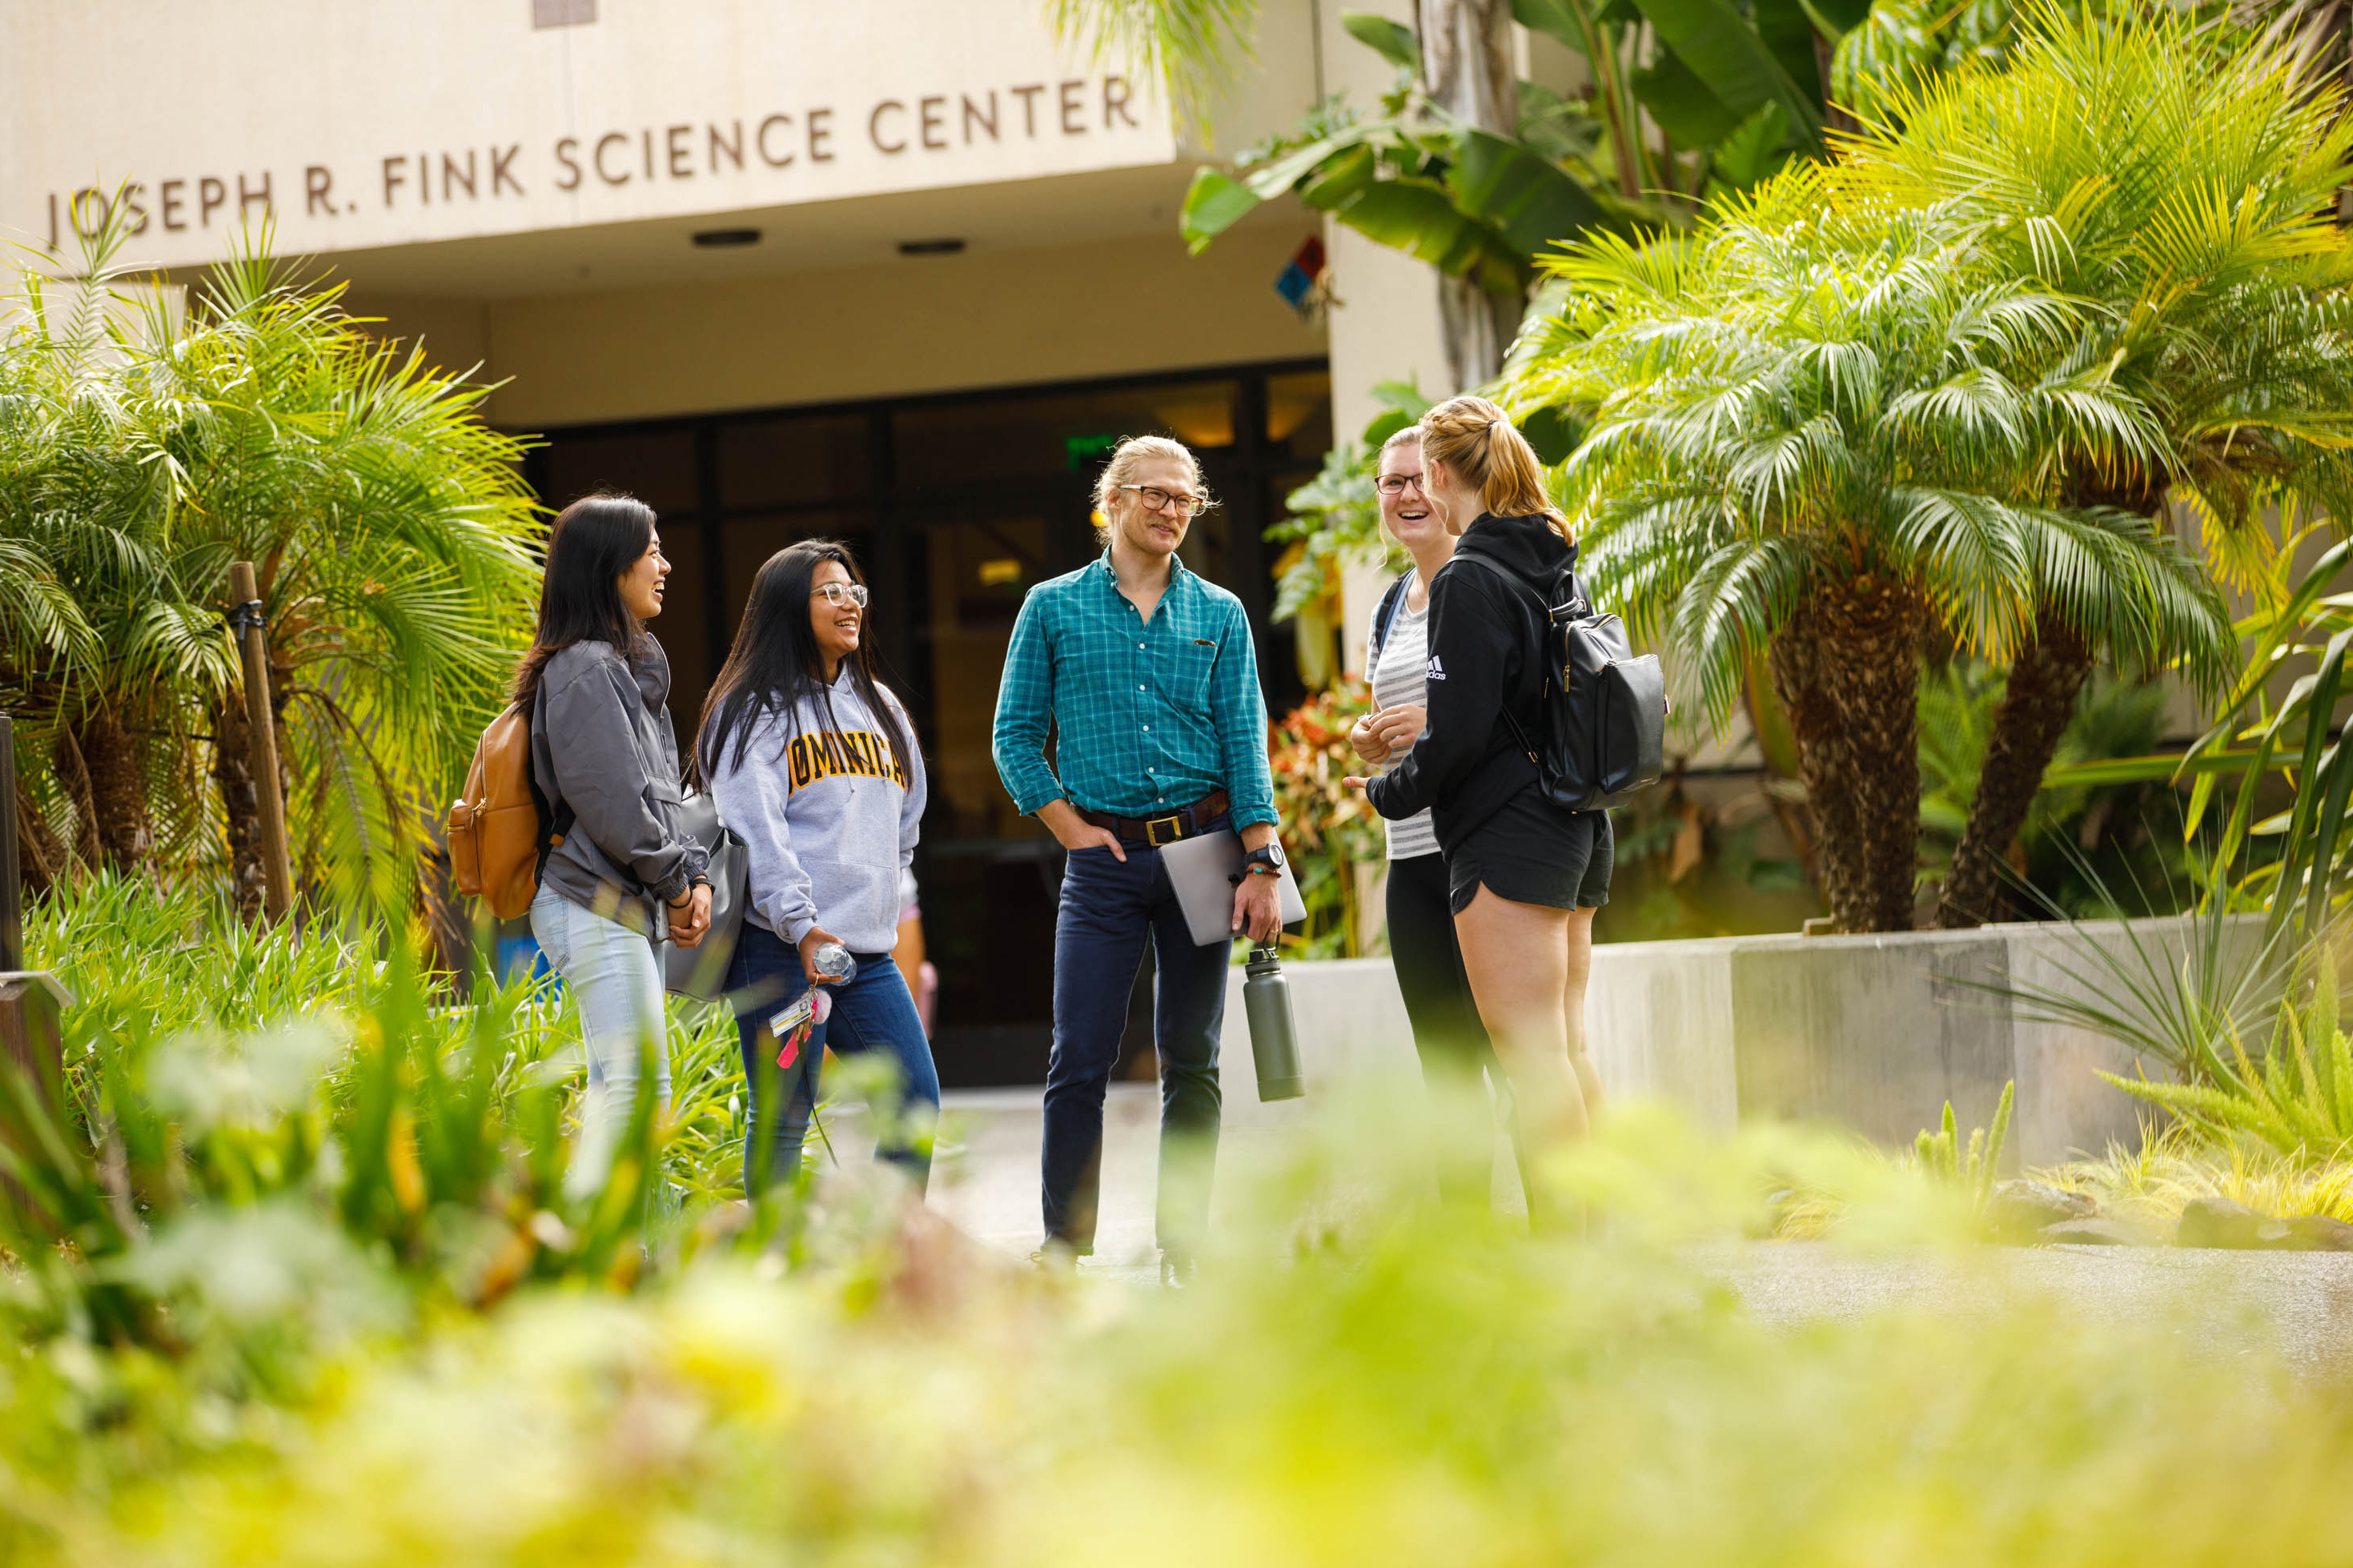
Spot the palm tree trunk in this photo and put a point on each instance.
(42, 858)
(241, 803)
(232, 773)
(1467, 70)
(73, 774)
(1847, 671)
(1776, 748)
(1478, 326)
(2034, 713)
(114, 760)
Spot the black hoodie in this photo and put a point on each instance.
(1486, 640)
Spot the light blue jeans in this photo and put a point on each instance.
(617, 984)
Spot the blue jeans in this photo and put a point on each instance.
(614, 978)
(872, 1013)
(1107, 910)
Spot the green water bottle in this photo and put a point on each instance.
(1266, 1002)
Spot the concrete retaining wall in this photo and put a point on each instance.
(1872, 1033)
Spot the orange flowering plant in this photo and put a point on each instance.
(1328, 829)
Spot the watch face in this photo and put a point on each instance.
(1273, 853)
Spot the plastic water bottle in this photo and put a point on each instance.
(1266, 1001)
(834, 965)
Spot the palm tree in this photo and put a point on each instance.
(2185, 180)
(1816, 442)
(88, 601)
(393, 541)
(391, 532)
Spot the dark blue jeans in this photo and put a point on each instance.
(1108, 910)
(872, 1013)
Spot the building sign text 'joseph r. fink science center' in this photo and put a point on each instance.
(361, 126)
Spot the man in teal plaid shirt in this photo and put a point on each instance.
(1148, 677)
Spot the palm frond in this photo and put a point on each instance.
(1181, 47)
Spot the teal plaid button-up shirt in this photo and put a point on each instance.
(1150, 716)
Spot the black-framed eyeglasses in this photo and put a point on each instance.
(1395, 484)
(1158, 500)
(835, 592)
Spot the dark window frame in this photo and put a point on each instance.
(1250, 505)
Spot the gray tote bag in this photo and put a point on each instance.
(701, 971)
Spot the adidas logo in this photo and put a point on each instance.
(1434, 672)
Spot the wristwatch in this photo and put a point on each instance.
(1266, 860)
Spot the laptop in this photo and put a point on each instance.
(1201, 869)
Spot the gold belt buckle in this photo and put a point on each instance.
(1176, 823)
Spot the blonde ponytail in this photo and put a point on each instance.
(1475, 439)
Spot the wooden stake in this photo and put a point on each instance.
(30, 1004)
(12, 908)
(276, 865)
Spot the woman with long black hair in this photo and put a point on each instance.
(813, 762)
(606, 760)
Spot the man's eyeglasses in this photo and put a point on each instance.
(1158, 500)
(835, 592)
(1395, 484)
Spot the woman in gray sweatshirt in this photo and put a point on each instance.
(815, 765)
(605, 761)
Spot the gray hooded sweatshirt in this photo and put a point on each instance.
(818, 797)
(601, 743)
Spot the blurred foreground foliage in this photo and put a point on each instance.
(318, 1297)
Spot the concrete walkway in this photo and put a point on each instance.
(985, 1181)
(985, 1177)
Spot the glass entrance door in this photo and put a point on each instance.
(988, 874)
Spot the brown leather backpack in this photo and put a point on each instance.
(497, 829)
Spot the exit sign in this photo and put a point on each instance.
(1081, 451)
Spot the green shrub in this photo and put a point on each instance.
(1373, 1381)
(1943, 1157)
(314, 1293)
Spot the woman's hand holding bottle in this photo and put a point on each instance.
(818, 937)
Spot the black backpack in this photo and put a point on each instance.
(1605, 708)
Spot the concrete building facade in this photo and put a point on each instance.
(897, 271)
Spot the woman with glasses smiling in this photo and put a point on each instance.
(1423, 949)
(813, 761)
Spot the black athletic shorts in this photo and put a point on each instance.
(1531, 852)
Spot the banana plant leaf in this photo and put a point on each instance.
(1496, 205)
(1214, 203)
(1724, 53)
(1393, 41)
(1217, 201)
(1572, 22)
(1682, 104)
(1531, 202)
(1788, 29)
(1418, 216)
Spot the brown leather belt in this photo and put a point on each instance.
(1154, 831)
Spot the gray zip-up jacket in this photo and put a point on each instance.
(830, 822)
(601, 743)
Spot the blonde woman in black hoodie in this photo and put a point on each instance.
(1524, 877)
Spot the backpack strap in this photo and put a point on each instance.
(1517, 586)
(1505, 578)
(554, 822)
(1387, 613)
